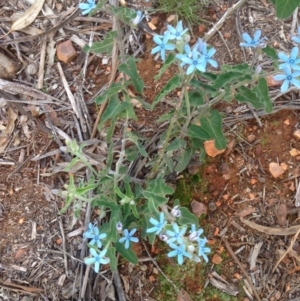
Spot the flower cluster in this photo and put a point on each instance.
(289, 62)
(189, 245)
(96, 244)
(196, 58)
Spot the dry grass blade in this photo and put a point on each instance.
(287, 251)
(269, 230)
(29, 16)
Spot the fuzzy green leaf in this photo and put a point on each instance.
(183, 159)
(187, 218)
(174, 83)
(270, 52)
(284, 8)
(157, 191)
(111, 254)
(126, 253)
(195, 131)
(213, 126)
(114, 89)
(246, 95)
(262, 92)
(176, 144)
(106, 45)
(114, 107)
(129, 68)
(124, 14)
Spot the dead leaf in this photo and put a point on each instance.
(8, 67)
(183, 296)
(211, 149)
(52, 115)
(245, 212)
(29, 16)
(4, 140)
(216, 259)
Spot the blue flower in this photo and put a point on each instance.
(128, 237)
(158, 225)
(202, 249)
(176, 33)
(179, 251)
(188, 54)
(162, 45)
(196, 62)
(90, 231)
(139, 17)
(255, 42)
(87, 7)
(291, 61)
(199, 45)
(95, 236)
(208, 55)
(97, 259)
(194, 234)
(289, 78)
(297, 38)
(176, 235)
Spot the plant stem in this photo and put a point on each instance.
(154, 170)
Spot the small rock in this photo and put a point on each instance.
(275, 169)
(201, 28)
(297, 134)
(251, 138)
(227, 35)
(198, 208)
(281, 215)
(223, 168)
(66, 52)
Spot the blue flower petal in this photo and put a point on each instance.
(247, 38)
(284, 86)
(257, 35)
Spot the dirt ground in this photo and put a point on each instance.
(41, 250)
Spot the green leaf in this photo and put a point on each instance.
(106, 45)
(213, 125)
(136, 140)
(126, 253)
(147, 225)
(114, 89)
(129, 68)
(114, 107)
(132, 153)
(174, 83)
(187, 218)
(227, 77)
(183, 159)
(284, 8)
(106, 202)
(157, 191)
(198, 84)
(168, 62)
(123, 13)
(262, 92)
(196, 98)
(195, 131)
(176, 144)
(246, 95)
(270, 52)
(100, 4)
(240, 67)
(111, 254)
(273, 1)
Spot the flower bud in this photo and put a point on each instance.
(163, 237)
(119, 227)
(176, 212)
(191, 248)
(193, 236)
